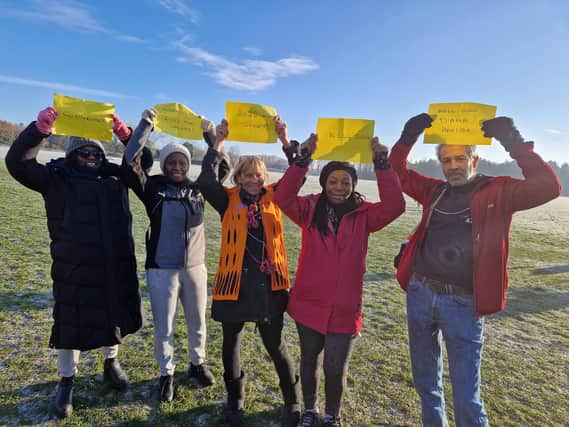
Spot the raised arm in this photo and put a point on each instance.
(135, 173)
(224, 167)
(392, 202)
(208, 181)
(21, 157)
(540, 184)
(286, 196)
(414, 184)
(123, 133)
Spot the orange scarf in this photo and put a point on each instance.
(234, 237)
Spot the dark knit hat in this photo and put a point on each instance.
(76, 142)
(335, 165)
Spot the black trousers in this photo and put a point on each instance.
(331, 350)
(272, 336)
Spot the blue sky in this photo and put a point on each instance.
(380, 60)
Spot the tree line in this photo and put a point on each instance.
(430, 167)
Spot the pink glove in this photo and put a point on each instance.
(45, 120)
(121, 130)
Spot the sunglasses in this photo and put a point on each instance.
(96, 154)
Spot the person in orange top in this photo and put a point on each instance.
(252, 281)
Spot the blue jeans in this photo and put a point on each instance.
(431, 317)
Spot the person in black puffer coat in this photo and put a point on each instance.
(95, 285)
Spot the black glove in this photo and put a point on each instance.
(415, 127)
(303, 159)
(380, 162)
(502, 129)
(292, 151)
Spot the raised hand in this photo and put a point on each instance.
(45, 120)
(206, 124)
(221, 133)
(415, 127)
(379, 154)
(121, 130)
(502, 129)
(281, 129)
(149, 115)
(308, 147)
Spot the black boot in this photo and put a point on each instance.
(235, 400)
(291, 410)
(63, 397)
(113, 374)
(202, 374)
(166, 388)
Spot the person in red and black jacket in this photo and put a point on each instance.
(454, 266)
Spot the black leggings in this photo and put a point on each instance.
(336, 350)
(271, 334)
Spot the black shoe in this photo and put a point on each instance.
(166, 388)
(309, 419)
(332, 422)
(63, 397)
(114, 376)
(202, 374)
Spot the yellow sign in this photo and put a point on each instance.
(347, 140)
(251, 122)
(79, 117)
(178, 120)
(459, 123)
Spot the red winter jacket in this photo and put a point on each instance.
(327, 292)
(493, 203)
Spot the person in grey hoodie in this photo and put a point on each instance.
(175, 251)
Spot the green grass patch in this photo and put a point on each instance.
(525, 365)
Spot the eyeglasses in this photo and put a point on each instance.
(96, 154)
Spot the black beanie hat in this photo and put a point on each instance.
(335, 165)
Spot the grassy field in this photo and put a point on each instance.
(525, 366)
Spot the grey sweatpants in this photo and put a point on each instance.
(166, 286)
(67, 360)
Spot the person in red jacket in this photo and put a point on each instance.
(326, 303)
(454, 266)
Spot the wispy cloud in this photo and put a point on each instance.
(255, 51)
(251, 75)
(554, 131)
(181, 8)
(68, 14)
(63, 87)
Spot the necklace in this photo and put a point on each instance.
(451, 213)
(266, 265)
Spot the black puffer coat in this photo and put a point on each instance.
(95, 286)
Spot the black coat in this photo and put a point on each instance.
(95, 286)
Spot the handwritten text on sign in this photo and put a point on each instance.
(251, 122)
(79, 117)
(344, 139)
(178, 120)
(459, 123)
